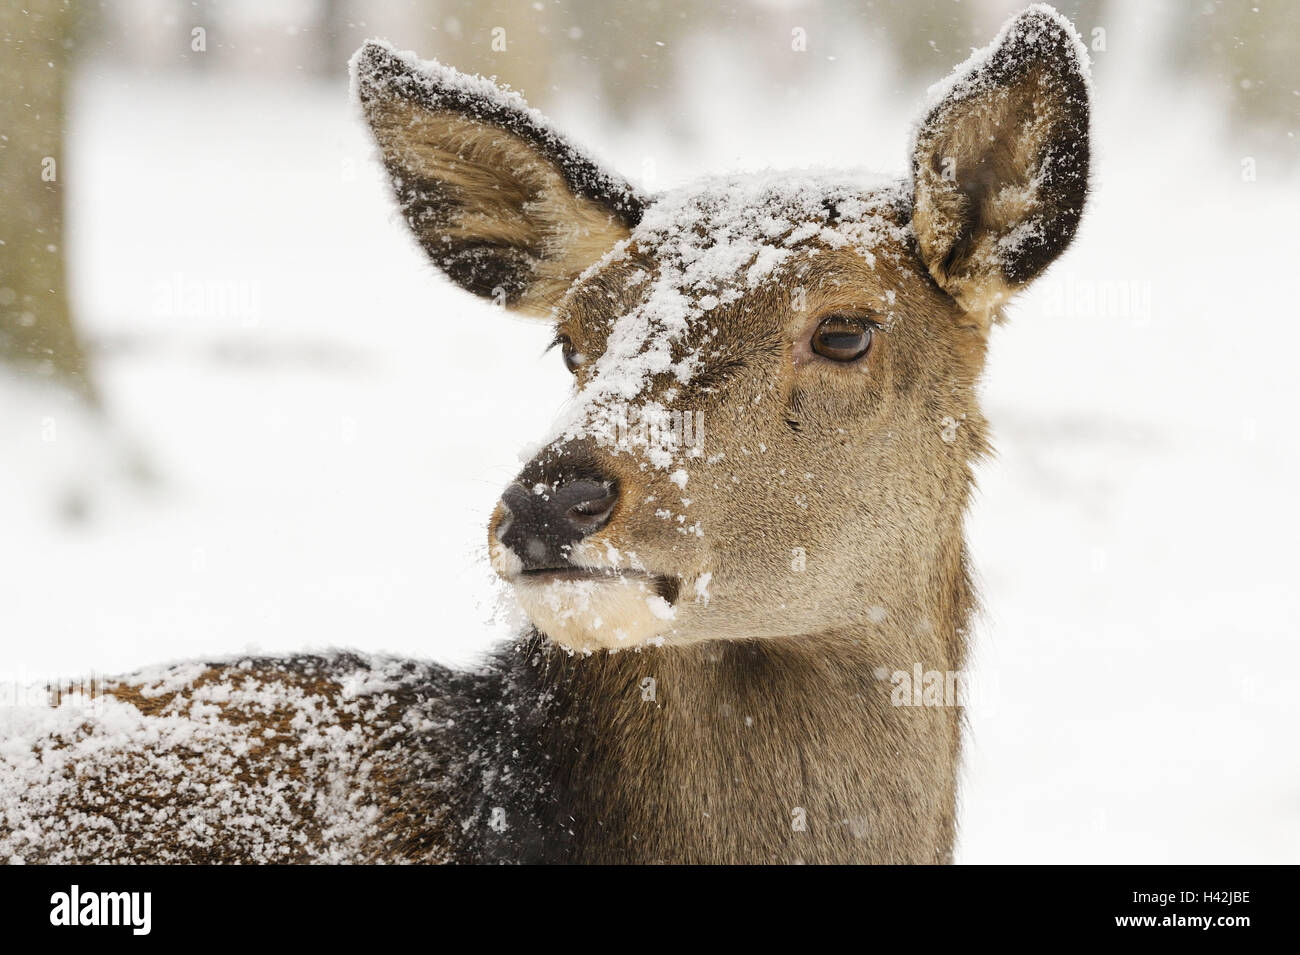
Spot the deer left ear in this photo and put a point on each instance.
(503, 204)
(1000, 163)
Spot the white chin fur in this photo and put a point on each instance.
(606, 614)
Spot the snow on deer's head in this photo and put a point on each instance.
(775, 413)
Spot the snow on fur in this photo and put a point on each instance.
(1029, 35)
(378, 70)
(1034, 79)
(712, 243)
(260, 761)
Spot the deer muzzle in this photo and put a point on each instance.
(564, 498)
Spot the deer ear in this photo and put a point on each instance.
(1000, 162)
(502, 204)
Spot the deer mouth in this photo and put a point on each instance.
(597, 608)
(662, 586)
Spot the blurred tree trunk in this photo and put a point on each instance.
(331, 27)
(36, 330)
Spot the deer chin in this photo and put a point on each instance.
(593, 609)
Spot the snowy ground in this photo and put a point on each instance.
(328, 425)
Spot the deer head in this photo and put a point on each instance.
(775, 411)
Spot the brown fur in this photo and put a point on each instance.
(497, 192)
(830, 556)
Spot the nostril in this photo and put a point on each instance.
(591, 511)
(594, 507)
(541, 523)
(589, 504)
(598, 503)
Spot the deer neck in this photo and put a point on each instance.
(782, 749)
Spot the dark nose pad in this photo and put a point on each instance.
(542, 523)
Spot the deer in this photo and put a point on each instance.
(716, 613)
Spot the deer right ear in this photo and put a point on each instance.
(1000, 163)
(501, 203)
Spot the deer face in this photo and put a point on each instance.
(775, 412)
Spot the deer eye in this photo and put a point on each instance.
(573, 359)
(843, 337)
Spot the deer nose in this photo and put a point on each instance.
(543, 522)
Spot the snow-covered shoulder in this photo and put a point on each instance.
(251, 760)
